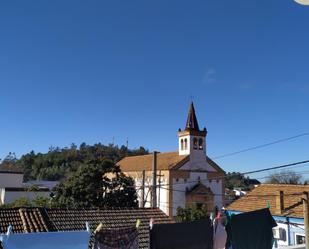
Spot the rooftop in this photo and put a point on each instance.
(25, 220)
(165, 161)
(10, 168)
(267, 194)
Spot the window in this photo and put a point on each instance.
(200, 144)
(181, 144)
(186, 144)
(195, 143)
(300, 239)
(282, 234)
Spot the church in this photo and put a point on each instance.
(184, 177)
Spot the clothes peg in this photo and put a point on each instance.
(151, 223)
(9, 230)
(87, 227)
(138, 222)
(267, 204)
(99, 227)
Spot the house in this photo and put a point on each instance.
(13, 188)
(285, 204)
(31, 220)
(184, 177)
(10, 176)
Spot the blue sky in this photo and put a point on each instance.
(88, 71)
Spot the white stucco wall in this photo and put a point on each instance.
(190, 148)
(162, 193)
(198, 162)
(179, 188)
(10, 196)
(11, 180)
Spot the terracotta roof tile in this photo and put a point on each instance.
(260, 196)
(165, 161)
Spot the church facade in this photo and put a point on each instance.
(184, 177)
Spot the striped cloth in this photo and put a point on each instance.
(116, 238)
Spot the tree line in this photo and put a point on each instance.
(88, 175)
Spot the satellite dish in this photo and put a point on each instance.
(303, 2)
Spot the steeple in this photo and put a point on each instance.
(192, 124)
(192, 140)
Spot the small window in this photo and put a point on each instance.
(181, 144)
(186, 144)
(195, 143)
(300, 239)
(200, 144)
(282, 234)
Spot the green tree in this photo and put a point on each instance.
(238, 180)
(92, 186)
(58, 164)
(191, 213)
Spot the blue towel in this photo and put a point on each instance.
(46, 240)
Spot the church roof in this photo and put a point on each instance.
(192, 124)
(165, 161)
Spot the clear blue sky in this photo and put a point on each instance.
(87, 71)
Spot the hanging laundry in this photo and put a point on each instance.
(220, 234)
(116, 238)
(187, 235)
(253, 230)
(46, 240)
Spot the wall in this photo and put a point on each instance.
(10, 196)
(169, 198)
(180, 186)
(11, 180)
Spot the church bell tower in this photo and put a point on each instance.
(192, 140)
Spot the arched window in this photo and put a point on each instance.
(200, 144)
(195, 143)
(181, 144)
(186, 144)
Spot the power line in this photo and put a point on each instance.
(244, 173)
(262, 145)
(277, 167)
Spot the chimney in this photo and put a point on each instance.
(280, 203)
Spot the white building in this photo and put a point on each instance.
(186, 176)
(13, 188)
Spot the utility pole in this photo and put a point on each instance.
(143, 189)
(306, 217)
(154, 180)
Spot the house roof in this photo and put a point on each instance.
(266, 194)
(24, 220)
(10, 168)
(165, 161)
